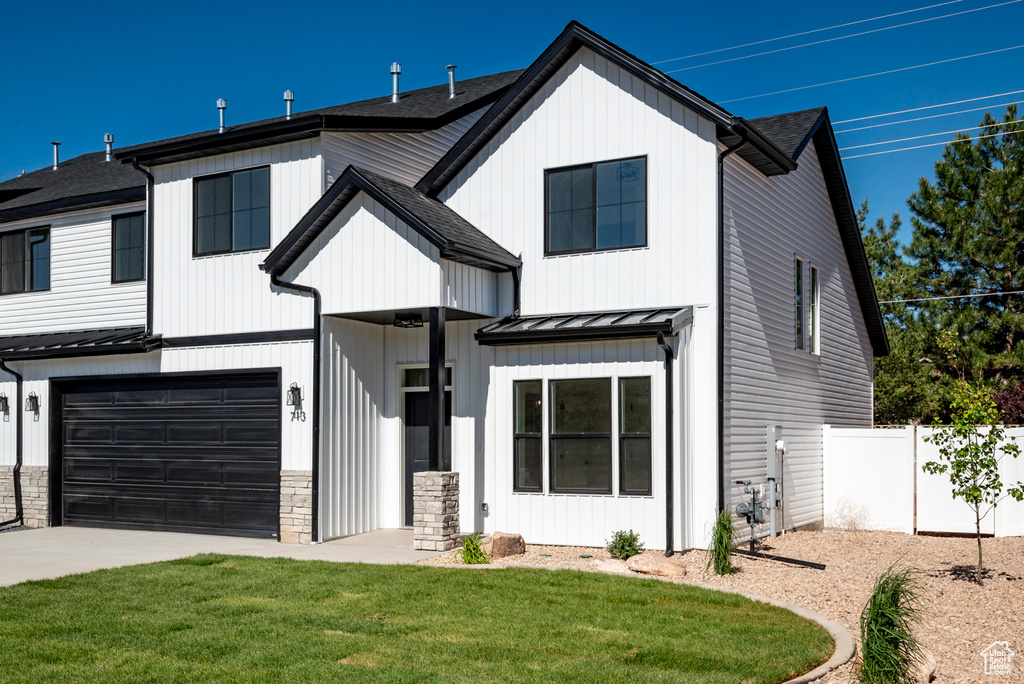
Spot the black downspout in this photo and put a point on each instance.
(516, 290)
(19, 512)
(306, 289)
(669, 411)
(149, 245)
(721, 317)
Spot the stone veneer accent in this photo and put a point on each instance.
(35, 494)
(435, 511)
(296, 507)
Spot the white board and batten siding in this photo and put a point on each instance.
(228, 293)
(768, 223)
(586, 520)
(81, 294)
(369, 260)
(295, 359)
(402, 156)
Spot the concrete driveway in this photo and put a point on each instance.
(57, 551)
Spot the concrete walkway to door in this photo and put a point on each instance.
(58, 551)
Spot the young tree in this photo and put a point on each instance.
(970, 450)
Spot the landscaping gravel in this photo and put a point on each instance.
(961, 618)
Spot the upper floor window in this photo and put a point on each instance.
(128, 246)
(25, 261)
(807, 291)
(596, 207)
(232, 212)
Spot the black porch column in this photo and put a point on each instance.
(436, 397)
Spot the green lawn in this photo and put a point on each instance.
(239, 619)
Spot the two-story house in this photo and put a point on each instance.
(583, 287)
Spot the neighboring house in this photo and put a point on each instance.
(583, 287)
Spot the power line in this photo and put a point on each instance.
(934, 106)
(918, 147)
(914, 137)
(805, 33)
(850, 35)
(924, 118)
(971, 296)
(880, 73)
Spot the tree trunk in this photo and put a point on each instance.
(977, 524)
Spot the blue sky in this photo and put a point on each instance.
(73, 71)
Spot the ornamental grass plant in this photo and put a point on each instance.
(890, 653)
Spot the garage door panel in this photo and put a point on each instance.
(192, 454)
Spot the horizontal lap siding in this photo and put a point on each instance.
(769, 221)
(228, 293)
(402, 156)
(81, 296)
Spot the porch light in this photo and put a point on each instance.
(32, 403)
(5, 407)
(408, 321)
(294, 399)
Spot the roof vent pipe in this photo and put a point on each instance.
(56, 155)
(108, 138)
(289, 97)
(396, 69)
(451, 80)
(221, 106)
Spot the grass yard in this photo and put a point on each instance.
(240, 619)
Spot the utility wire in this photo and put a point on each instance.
(934, 106)
(880, 73)
(849, 35)
(914, 137)
(971, 296)
(918, 147)
(805, 33)
(923, 118)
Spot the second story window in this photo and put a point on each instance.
(232, 212)
(128, 247)
(596, 207)
(25, 261)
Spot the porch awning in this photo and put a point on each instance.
(603, 325)
(77, 343)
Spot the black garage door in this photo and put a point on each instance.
(172, 453)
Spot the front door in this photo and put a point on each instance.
(417, 440)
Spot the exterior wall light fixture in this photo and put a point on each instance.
(294, 399)
(5, 406)
(410, 320)
(32, 403)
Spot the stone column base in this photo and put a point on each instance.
(35, 494)
(296, 507)
(435, 511)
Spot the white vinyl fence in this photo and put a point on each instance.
(874, 481)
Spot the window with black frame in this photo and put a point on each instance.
(527, 473)
(232, 212)
(635, 436)
(581, 436)
(128, 247)
(596, 207)
(25, 261)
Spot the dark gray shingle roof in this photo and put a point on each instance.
(791, 131)
(78, 183)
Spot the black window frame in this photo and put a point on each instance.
(517, 436)
(195, 212)
(799, 303)
(552, 382)
(113, 247)
(26, 260)
(593, 220)
(624, 436)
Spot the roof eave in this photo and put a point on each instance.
(67, 204)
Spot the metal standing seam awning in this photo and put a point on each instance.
(77, 343)
(583, 327)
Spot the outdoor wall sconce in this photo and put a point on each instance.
(32, 403)
(408, 321)
(294, 399)
(5, 407)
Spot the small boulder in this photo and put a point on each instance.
(503, 544)
(654, 563)
(926, 668)
(611, 565)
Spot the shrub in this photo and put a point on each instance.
(889, 650)
(1010, 402)
(473, 551)
(720, 551)
(625, 544)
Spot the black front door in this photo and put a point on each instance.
(417, 440)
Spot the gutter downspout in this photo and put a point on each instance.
(721, 316)
(19, 511)
(306, 289)
(517, 276)
(669, 414)
(149, 245)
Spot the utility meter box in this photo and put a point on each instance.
(751, 511)
(774, 448)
